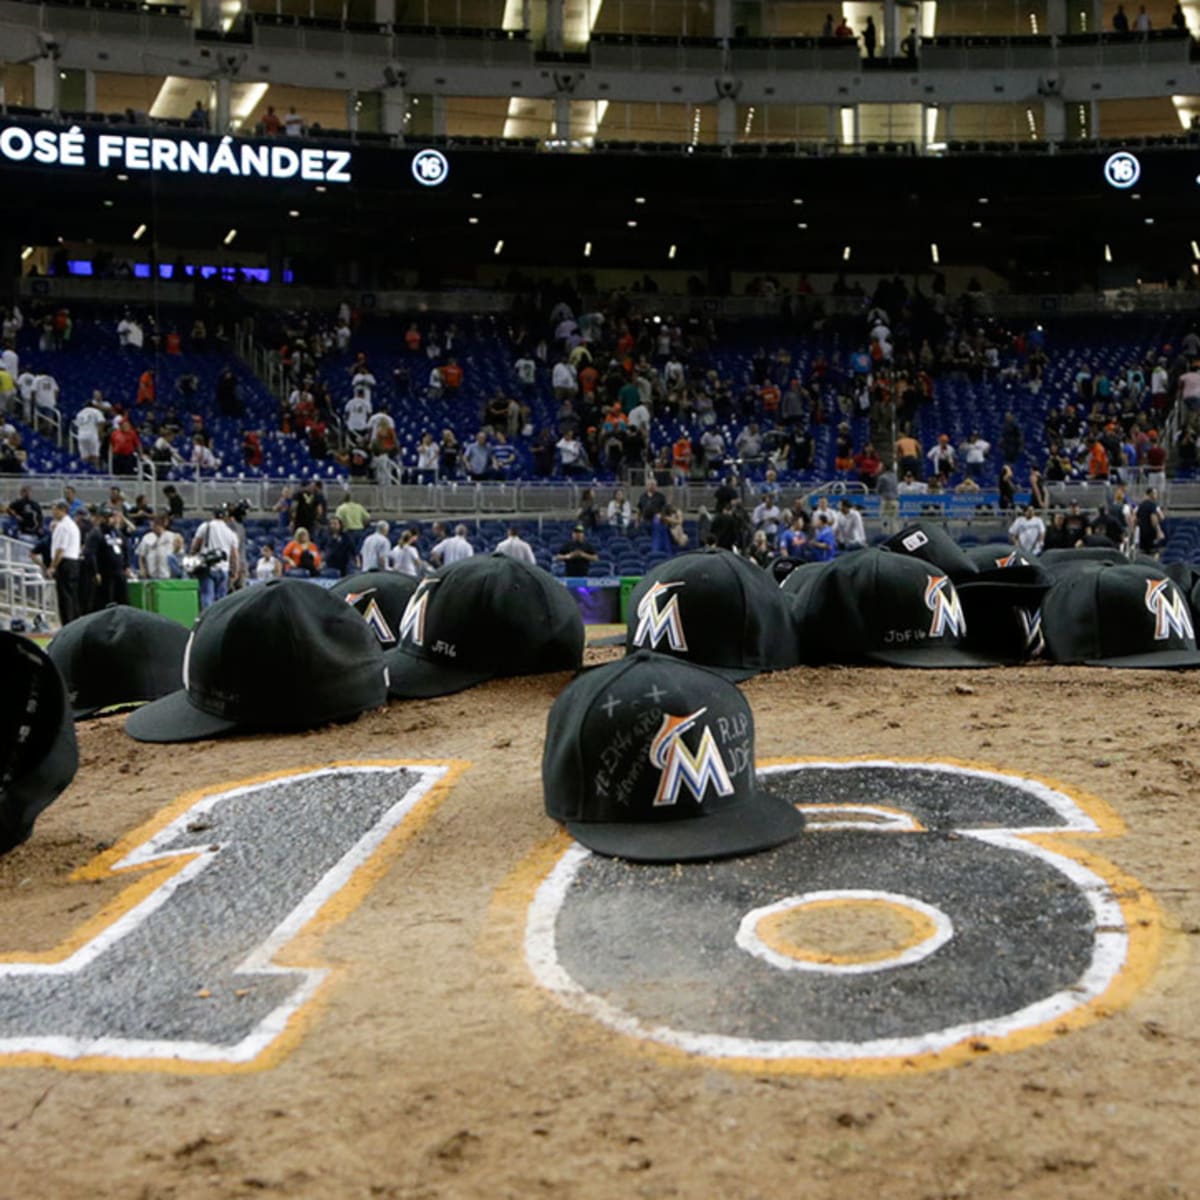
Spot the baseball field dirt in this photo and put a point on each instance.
(430, 1052)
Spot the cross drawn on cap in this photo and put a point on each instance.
(656, 694)
(609, 704)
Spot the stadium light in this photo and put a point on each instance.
(587, 249)
(845, 254)
(671, 252)
(139, 232)
(1107, 253)
(230, 236)
(933, 253)
(1195, 248)
(27, 253)
(499, 247)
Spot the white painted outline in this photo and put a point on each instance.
(886, 822)
(748, 938)
(1110, 945)
(258, 961)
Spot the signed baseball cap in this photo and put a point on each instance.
(119, 655)
(881, 607)
(38, 754)
(651, 759)
(380, 598)
(278, 657)
(1120, 615)
(932, 544)
(714, 608)
(485, 617)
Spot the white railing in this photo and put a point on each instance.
(25, 593)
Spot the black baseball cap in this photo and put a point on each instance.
(38, 754)
(380, 598)
(278, 657)
(932, 544)
(1120, 615)
(714, 608)
(485, 617)
(878, 606)
(119, 655)
(1002, 603)
(651, 759)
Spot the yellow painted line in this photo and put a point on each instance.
(773, 933)
(336, 909)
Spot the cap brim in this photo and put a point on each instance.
(1013, 579)
(945, 658)
(174, 718)
(1162, 660)
(762, 822)
(412, 678)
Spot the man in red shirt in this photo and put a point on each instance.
(145, 392)
(452, 377)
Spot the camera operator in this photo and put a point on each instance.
(216, 548)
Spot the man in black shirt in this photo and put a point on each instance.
(27, 512)
(306, 508)
(577, 555)
(106, 555)
(650, 503)
(1149, 523)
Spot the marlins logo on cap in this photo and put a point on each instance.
(658, 620)
(682, 767)
(412, 623)
(942, 600)
(1170, 610)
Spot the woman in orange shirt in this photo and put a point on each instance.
(1098, 461)
(298, 547)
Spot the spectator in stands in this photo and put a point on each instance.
(619, 512)
(477, 458)
(942, 458)
(1156, 462)
(159, 552)
(849, 531)
(564, 381)
(428, 459)
(1098, 465)
(125, 445)
(1007, 485)
(843, 29)
(975, 451)
(827, 26)
(301, 555)
(572, 457)
(452, 377)
(270, 122)
(1028, 532)
(354, 518)
(216, 536)
(293, 123)
(681, 457)
(449, 454)
(515, 546)
(358, 416)
(868, 465)
(26, 513)
(145, 388)
(712, 449)
(1141, 23)
(89, 422)
(651, 502)
(269, 565)
(106, 559)
(452, 549)
(1120, 20)
(1178, 20)
(822, 545)
(767, 516)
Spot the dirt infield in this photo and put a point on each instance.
(434, 1064)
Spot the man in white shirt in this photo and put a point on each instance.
(452, 549)
(45, 393)
(525, 370)
(564, 381)
(358, 415)
(293, 123)
(1028, 532)
(571, 454)
(375, 548)
(640, 418)
(363, 381)
(849, 530)
(129, 333)
(515, 546)
(766, 516)
(65, 548)
(216, 535)
(156, 551)
(975, 449)
(25, 387)
(89, 421)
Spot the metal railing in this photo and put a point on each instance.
(25, 593)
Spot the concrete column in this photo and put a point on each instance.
(562, 117)
(385, 12)
(1097, 17)
(219, 116)
(723, 19)
(727, 130)
(1094, 118)
(209, 15)
(1056, 16)
(45, 84)
(893, 35)
(947, 121)
(395, 105)
(1054, 116)
(439, 115)
(835, 122)
(554, 24)
(352, 111)
(89, 91)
